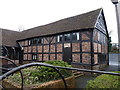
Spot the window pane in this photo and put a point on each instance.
(75, 36)
(40, 40)
(59, 38)
(67, 37)
(29, 42)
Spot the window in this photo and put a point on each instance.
(34, 57)
(40, 40)
(75, 36)
(3, 51)
(59, 38)
(67, 37)
(32, 42)
(29, 42)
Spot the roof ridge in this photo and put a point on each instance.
(9, 30)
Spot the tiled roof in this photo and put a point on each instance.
(9, 37)
(83, 21)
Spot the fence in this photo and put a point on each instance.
(56, 68)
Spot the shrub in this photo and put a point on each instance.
(105, 81)
(41, 74)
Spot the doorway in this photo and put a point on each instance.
(67, 55)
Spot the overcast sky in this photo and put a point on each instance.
(32, 13)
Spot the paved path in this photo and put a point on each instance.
(114, 64)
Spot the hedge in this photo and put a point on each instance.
(105, 81)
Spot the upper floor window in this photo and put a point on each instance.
(40, 40)
(35, 41)
(32, 42)
(59, 38)
(75, 36)
(67, 37)
(29, 42)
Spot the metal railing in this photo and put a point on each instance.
(56, 68)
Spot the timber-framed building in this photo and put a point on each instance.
(80, 40)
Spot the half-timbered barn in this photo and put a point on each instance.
(9, 47)
(80, 40)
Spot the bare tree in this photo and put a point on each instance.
(21, 28)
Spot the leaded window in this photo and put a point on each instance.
(40, 41)
(34, 57)
(67, 37)
(59, 38)
(75, 36)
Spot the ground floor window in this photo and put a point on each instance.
(34, 56)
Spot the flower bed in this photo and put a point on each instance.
(51, 84)
(39, 76)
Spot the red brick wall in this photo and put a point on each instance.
(52, 48)
(76, 58)
(46, 48)
(52, 56)
(59, 47)
(29, 49)
(53, 40)
(99, 48)
(85, 35)
(26, 42)
(39, 49)
(45, 41)
(95, 35)
(39, 57)
(75, 47)
(95, 47)
(86, 58)
(25, 49)
(86, 47)
(25, 57)
(59, 56)
(45, 57)
(34, 49)
(95, 58)
(29, 56)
